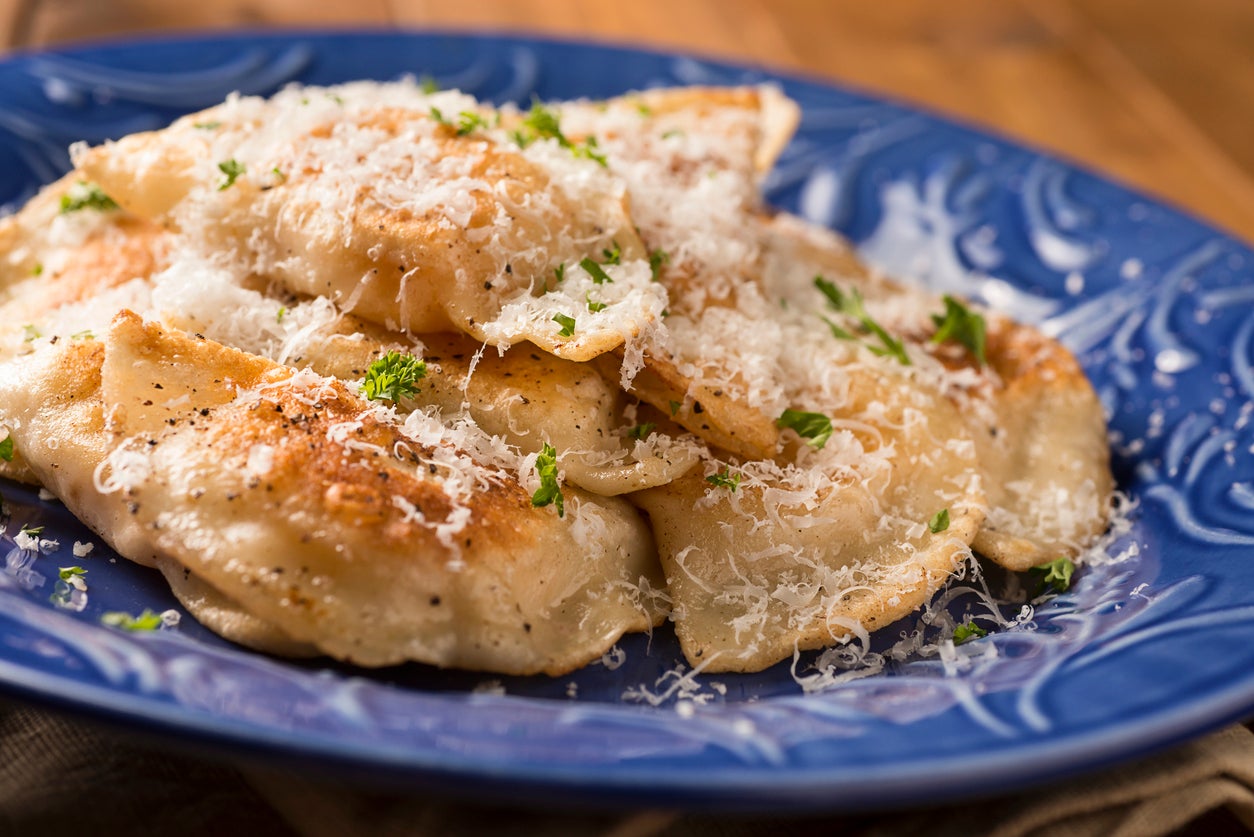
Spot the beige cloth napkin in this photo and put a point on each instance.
(60, 775)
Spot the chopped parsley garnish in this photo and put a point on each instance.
(86, 196)
(6, 449)
(673, 132)
(85, 334)
(613, 254)
(966, 631)
(549, 491)
(278, 318)
(428, 85)
(961, 325)
(851, 305)
(641, 431)
(1056, 574)
(594, 306)
(542, 123)
(146, 621)
(725, 479)
(31, 332)
(815, 427)
(66, 573)
(595, 270)
(232, 169)
(560, 272)
(37, 270)
(643, 109)
(939, 522)
(567, 324)
(207, 126)
(393, 376)
(588, 151)
(278, 174)
(31, 531)
(675, 405)
(657, 258)
(468, 121)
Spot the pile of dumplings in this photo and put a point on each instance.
(384, 373)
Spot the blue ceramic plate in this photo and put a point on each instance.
(1140, 654)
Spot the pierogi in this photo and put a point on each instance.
(392, 375)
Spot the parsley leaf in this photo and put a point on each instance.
(560, 272)
(658, 258)
(393, 376)
(428, 85)
(146, 621)
(725, 479)
(598, 274)
(642, 431)
(468, 121)
(66, 573)
(542, 123)
(613, 254)
(851, 305)
(961, 325)
(588, 150)
(207, 126)
(592, 305)
(86, 196)
(6, 449)
(232, 169)
(549, 491)
(939, 522)
(1056, 574)
(815, 427)
(966, 631)
(567, 324)
(675, 405)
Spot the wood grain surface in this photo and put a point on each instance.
(1157, 93)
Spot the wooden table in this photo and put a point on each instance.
(1157, 93)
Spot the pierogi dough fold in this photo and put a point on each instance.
(54, 259)
(372, 196)
(764, 558)
(692, 159)
(525, 396)
(316, 513)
